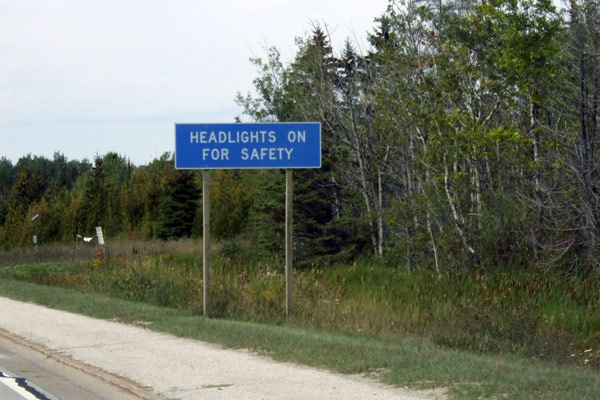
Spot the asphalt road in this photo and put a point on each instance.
(13, 387)
(44, 377)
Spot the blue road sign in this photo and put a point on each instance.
(248, 145)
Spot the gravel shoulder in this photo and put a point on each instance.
(176, 368)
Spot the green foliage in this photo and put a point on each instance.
(532, 313)
(526, 32)
(145, 192)
(267, 214)
(465, 137)
(27, 189)
(93, 211)
(325, 229)
(7, 177)
(400, 362)
(177, 206)
(232, 195)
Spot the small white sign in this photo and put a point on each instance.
(34, 239)
(100, 235)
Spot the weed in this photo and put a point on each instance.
(531, 313)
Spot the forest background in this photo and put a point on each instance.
(465, 138)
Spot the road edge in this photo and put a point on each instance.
(122, 384)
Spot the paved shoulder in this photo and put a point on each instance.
(29, 371)
(181, 368)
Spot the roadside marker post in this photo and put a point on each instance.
(100, 236)
(35, 236)
(284, 145)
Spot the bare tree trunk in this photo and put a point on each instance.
(428, 222)
(433, 244)
(372, 229)
(380, 222)
(366, 194)
(456, 215)
(537, 246)
(588, 118)
(476, 196)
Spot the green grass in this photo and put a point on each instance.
(533, 314)
(369, 317)
(412, 362)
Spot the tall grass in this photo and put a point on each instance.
(397, 361)
(81, 252)
(538, 314)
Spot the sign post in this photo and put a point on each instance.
(100, 236)
(206, 243)
(286, 145)
(289, 244)
(35, 236)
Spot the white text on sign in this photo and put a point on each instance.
(246, 137)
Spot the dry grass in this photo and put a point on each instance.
(83, 252)
(531, 313)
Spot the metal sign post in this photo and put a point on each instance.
(287, 145)
(206, 243)
(289, 245)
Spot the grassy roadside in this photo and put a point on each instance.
(529, 313)
(403, 362)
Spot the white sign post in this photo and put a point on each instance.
(100, 235)
(35, 237)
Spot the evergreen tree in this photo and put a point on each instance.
(27, 190)
(93, 210)
(267, 214)
(304, 91)
(7, 177)
(177, 206)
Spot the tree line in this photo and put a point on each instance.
(464, 138)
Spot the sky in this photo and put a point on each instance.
(84, 77)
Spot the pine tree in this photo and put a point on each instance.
(93, 210)
(27, 190)
(177, 206)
